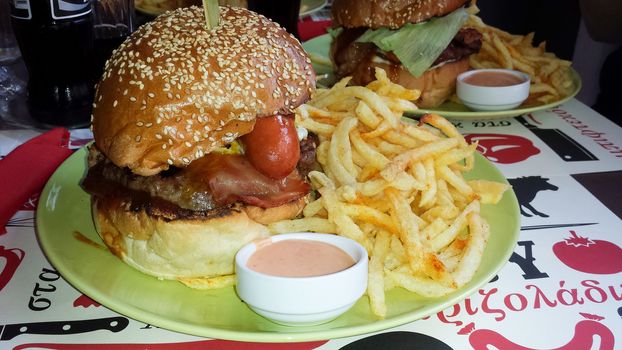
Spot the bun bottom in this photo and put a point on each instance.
(198, 252)
(436, 85)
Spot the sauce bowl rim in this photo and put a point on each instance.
(244, 254)
(526, 78)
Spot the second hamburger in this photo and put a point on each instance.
(421, 44)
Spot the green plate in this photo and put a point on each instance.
(68, 238)
(318, 48)
(308, 7)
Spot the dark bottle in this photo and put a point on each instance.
(104, 46)
(113, 22)
(284, 13)
(56, 41)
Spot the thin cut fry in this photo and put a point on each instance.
(375, 281)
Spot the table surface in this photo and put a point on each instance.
(566, 169)
(539, 287)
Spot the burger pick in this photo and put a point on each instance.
(195, 145)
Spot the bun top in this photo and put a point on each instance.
(174, 91)
(389, 13)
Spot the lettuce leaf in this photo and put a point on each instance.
(334, 32)
(418, 45)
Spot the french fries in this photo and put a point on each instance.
(551, 78)
(397, 188)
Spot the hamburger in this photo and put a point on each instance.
(195, 148)
(421, 44)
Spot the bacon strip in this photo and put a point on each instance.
(212, 182)
(232, 178)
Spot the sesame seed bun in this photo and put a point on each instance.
(389, 13)
(175, 91)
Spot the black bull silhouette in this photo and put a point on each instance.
(526, 189)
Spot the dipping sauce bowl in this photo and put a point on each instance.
(492, 89)
(282, 297)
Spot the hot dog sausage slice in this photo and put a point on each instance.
(272, 147)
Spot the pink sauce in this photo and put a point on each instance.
(493, 79)
(299, 258)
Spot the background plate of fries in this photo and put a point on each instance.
(555, 82)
